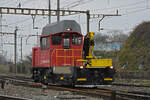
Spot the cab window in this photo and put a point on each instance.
(76, 40)
(56, 40)
(66, 43)
(44, 43)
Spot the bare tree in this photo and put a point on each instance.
(2, 60)
(100, 40)
(117, 36)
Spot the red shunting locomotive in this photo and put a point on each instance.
(56, 60)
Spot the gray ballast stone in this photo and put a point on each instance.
(61, 26)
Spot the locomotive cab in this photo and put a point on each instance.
(56, 55)
(61, 49)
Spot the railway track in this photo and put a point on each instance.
(105, 93)
(99, 92)
(4, 97)
(19, 78)
(130, 85)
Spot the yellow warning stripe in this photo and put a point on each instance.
(108, 79)
(81, 79)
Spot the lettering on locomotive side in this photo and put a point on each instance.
(44, 61)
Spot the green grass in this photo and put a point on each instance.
(143, 83)
(4, 69)
(13, 74)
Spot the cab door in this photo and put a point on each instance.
(67, 50)
(44, 51)
(66, 42)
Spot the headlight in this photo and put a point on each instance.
(81, 67)
(111, 67)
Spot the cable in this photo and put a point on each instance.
(32, 23)
(24, 2)
(139, 10)
(81, 3)
(5, 2)
(71, 4)
(20, 21)
(139, 6)
(27, 1)
(77, 3)
(133, 8)
(121, 6)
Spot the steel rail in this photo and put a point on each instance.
(100, 92)
(5, 97)
(132, 85)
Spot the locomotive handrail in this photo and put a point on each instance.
(52, 56)
(68, 50)
(53, 52)
(71, 57)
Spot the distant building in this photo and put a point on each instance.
(109, 46)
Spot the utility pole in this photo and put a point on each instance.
(99, 27)
(21, 48)
(88, 20)
(33, 19)
(21, 54)
(15, 49)
(38, 42)
(147, 4)
(1, 36)
(58, 12)
(49, 11)
(105, 15)
(102, 16)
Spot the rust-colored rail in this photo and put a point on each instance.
(100, 92)
(4, 97)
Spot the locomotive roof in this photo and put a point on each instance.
(61, 26)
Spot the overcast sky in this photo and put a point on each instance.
(133, 13)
